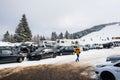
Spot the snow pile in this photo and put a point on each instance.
(6, 44)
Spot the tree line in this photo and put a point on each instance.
(23, 34)
(67, 35)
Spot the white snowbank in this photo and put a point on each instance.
(91, 57)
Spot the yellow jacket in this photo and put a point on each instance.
(77, 51)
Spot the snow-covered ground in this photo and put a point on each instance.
(90, 58)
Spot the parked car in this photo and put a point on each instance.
(97, 46)
(113, 58)
(65, 50)
(109, 71)
(8, 54)
(116, 43)
(108, 45)
(41, 53)
(86, 47)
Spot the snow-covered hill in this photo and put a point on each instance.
(92, 29)
(104, 35)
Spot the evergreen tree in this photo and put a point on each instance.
(36, 38)
(12, 38)
(6, 37)
(23, 33)
(60, 36)
(53, 36)
(67, 35)
(71, 36)
(42, 38)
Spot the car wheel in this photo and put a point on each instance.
(107, 76)
(54, 55)
(20, 59)
(61, 54)
(39, 57)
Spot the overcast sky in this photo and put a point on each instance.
(46, 16)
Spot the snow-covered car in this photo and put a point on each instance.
(113, 58)
(108, 71)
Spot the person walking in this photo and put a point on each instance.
(77, 52)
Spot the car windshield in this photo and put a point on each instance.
(39, 49)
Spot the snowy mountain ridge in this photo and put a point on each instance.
(92, 29)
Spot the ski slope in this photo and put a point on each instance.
(102, 36)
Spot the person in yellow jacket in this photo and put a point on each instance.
(77, 52)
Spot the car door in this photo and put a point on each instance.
(71, 50)
(66, 50)
(8, 55)
(43, 53)
(118, 72)
(63, 50)
(2, 57)
(48, 53)
(117, 68)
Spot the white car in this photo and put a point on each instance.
(109, 71)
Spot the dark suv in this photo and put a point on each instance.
(10, 55)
